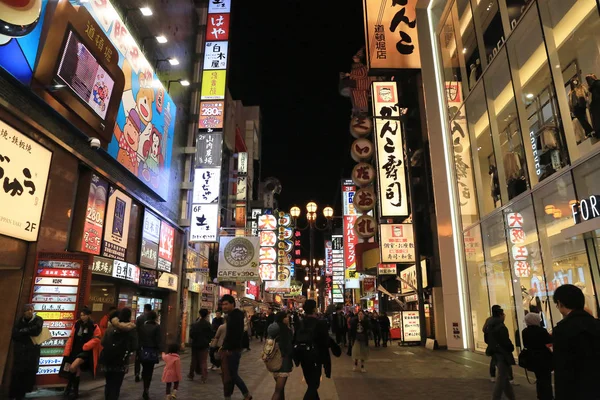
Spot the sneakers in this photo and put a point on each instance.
(514, 383)
(354, 369)
(363, 369)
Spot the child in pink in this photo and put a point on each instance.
(172, 372)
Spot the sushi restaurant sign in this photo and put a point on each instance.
(586, 209)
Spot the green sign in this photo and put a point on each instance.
(52, 351)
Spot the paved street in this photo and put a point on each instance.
(392, 373)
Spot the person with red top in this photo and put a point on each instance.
(82, 350)
(172, 372)
(106, 320)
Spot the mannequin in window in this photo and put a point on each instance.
(594, 89)
(494, 185)
(578, 100)
(515, 179)
(473, 74)
(532, 302)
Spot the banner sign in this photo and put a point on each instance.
(213, 84)
(217, 27)
(397, 243)
(204, 224)
(337, 248)
(328, 258)
(117, 225)
(208, 150)
(391, 34)
(350, 242)
(211, 117)
(165, 247)
(215, 6)
(25, 166)
(238, 259)
(94, 216)
(411, 326)
(150, 239)
(409, 278)
(215, 55)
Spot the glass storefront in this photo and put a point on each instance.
(523, 103)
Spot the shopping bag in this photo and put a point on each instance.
(42, 337)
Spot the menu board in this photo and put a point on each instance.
(56, 288)
(411, 326)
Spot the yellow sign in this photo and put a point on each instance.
(47, 315)
(213, 84)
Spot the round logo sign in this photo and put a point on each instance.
(239, 252)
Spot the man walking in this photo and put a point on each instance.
(231, 351)
(496, 310)
(338, 326)
(576, 343)
(311, 350)
(139, 323)
(201, 334)
(500, 348)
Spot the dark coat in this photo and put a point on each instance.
(499, 343)
(535, 339)
(338, 323)
(366, 324)
(283, 335)
(321, 340)
(384, 323)
(27, 355)
(201, 334)
(576, 341)
(235, 331)
(149, 335)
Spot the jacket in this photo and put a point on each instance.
(576, 342)
(384, 323)
(321, 340)
(149, 335)
(220, 336)
(132, 345)
(535, 339)
(283, 336)
(338, 324)
(93, 344)
(27, 355)
(234, 331)
(201, 333)
(366, 329)
(103, 324)
(499, 344)
(172, 371)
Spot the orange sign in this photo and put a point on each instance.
(211, 115)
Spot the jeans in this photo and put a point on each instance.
(138, 363)
(147, 371)
(503, 382)
(385, 336)
(493, 369)
(199, 363)
(312, 376)
(114, 380)
(230, 364)
(543, 384)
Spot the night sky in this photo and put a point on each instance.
(286, 56)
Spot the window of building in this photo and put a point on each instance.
(536, 99)
(506, 129)
(484, 159)
(478, 291)
(451, 64)
(488, 23)
(574, 47)
(470, 45)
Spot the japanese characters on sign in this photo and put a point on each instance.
(215, 6)
(363, 174)
(362, 150)
(350, 242)
(213, 84)
(364, 200)
(410, 275)
(393, 198)
(348, 192)
(211, 116)
(24, 168)
(166, 245)
(252, 290)
(328, 258)
(102, 266)
(207, 185)
(217, 27)
(386, 269)
(206, 193)
(94, 216)
(208, 149)
(391, 34)
(337, 247)
(150, 239)
(117, 225)
(204, 223)
(123, 270)
(411, 326)
(462, 150)
(242, 176)
(215, 55)
(519, 252)
(365, 226)
(238, 259)
(397, 243)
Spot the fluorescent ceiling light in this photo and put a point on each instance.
(146, 11)
(530, 95)
(173, 61)
(161, 39)
(184, 82)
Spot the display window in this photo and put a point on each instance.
(450, 63)
(488, 24)
(470, 45)
(478, 287)
(103, 295)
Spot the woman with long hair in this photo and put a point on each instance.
(280, 331)
(359, 330)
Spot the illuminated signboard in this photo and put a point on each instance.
(337, 246)
(215, 55)
(150, 239)
(205, 208)
(215, 6)
(117, 225)
(217, 27)
(94, 216)
(213, 85)
(211, 115)
(397, 243)
(166, 245)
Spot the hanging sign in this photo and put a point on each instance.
(215, 55)
(165, 248)
(238, 259)
(208, 150)
(215, 6)
(150, 239)
(211, 117)
(217, 27)
(213, 84)
(168, 281)
(397, 243)
(204, 223)
(117, 225)
(386, 269)
(94, 216)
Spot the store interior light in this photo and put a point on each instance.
(146, 11)
(530, 96)
(557, 213)
(104, 289)
(549, 209)
(318, 277)
(173, 61)
(465, 50)
(161, 39)
(572, 203)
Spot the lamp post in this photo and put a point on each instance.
(311, 218)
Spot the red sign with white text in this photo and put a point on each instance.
(350, 242)
(217, 27)
(167, 234)
(62, 273)
(94, 216)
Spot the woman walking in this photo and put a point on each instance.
(359, 331)
(536, 340)
(82, 351)
(149, 349)
(172, 372)
(280, 331)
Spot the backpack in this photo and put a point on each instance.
(305, 348)
(116, 350)
(271, 355)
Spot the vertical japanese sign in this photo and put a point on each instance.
(25, 166)
(117, 225)
(462, 149)
(211, 115)
(397, 243)
(94, 216)
(205, 205)
(348, 191)
(166, 245)
(242, 176)
(328, 258)
(519, 252)
(56, 287)
(350, 242)
(208, 149)
(213, 84)
(391, 34)
(219, 6)
(337, 249)
(391, 176)
(217, 26)
(150, 239)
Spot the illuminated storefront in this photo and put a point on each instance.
(522, 101)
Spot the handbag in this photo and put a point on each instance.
(149, 354)
(336, 350)
(271, 355)
(64, 371)
(42, 337)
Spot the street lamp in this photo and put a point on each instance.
(311, 207)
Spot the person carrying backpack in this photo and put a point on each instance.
(118, 345)
(280, 339)
(311, 350)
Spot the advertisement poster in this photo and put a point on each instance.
(208, 296)
(350, 242)
(25, 166)
(165, 249)
(211, 116)
(117, 225)
(150, 239)
(94, 216)
(238, 259)
(409, 278)
(397, 243)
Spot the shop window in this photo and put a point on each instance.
(488, 23)
(498, 269)
(450, 63)
(516, 9)
(484, 159)
(478, 291)
(574, 42)
(526, 262)
(505, 127)
(565, 256)
(470, 47)
(545, 144)
(463, 168)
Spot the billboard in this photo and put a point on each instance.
(213, 84)
(238, 259)
(397, 243)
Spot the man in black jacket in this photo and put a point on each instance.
(200, 334)
(139, 323)
(231, 351)
(576, 342)
(27, 354)
(339, 326)
(501, 348)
